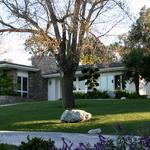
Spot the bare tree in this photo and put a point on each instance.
(63, 25)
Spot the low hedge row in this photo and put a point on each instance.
(90, 95)
(99, 94)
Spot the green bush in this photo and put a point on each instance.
(121, 93)
(7, 86)
(79, 95)
(91, 95)
(133, 95)
(37, 144)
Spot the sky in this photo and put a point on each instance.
(13, 49)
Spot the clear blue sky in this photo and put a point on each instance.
(15, 48)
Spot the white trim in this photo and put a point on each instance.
(105, 70)
(19, 67)
(21, 91)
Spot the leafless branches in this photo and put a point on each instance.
(67, 22)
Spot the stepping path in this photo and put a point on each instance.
(15, 137)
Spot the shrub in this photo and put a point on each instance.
(133, 95)
(7, 87)
(37, 144)
(79, 95)
(121, 93)
(91, 95)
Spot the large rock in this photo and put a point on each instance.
(75, 115)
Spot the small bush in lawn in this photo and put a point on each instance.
(79, 95)
(133, 95)
(37, 144)
(121, 93)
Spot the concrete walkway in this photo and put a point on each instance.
(15, 137)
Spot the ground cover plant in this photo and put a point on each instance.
(132, 115)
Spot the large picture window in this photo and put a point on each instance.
(22, 86)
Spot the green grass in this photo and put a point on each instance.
(44, 116)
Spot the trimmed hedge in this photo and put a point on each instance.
(91, 95)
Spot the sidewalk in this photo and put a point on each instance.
(15, 137)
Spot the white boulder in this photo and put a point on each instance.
(123, 98)
(95, 131)
(75, 115)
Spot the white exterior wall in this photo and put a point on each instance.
(106, 83)
(130, 87)
(143, 87)
(148, 89)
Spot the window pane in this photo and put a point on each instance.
(19, 83)
(24, 84)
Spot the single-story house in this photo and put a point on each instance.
(42, 80)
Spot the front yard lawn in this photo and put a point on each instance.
(133, 115)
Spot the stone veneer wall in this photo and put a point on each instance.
(47, 64)
(38, 86)
(11, 99)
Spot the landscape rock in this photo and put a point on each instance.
(75, 115)
(95, 131)
(123, 98)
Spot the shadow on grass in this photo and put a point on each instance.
(137, 127)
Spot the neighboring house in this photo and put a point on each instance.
(42, 80)
(26, 79)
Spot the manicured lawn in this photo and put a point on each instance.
(44, 116)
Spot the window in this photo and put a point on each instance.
(119, 82)
(19, 83)
(22, 86)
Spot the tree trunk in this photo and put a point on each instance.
(67, 91)
(137, 84)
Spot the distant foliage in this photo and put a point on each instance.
(145, 68)
(95, 52)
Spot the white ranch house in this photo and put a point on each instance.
(110, 80)
(42, 81)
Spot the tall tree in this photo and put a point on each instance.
(137, 49)
(133, 64)
(62, 25)
(139, 35)
(95, 52)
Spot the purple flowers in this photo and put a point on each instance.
(128, 142)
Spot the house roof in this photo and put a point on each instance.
(8, 65)
(103, 68)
